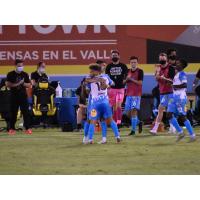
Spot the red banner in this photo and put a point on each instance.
(67, 44)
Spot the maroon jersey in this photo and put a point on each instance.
(134, 89)
(167, 72)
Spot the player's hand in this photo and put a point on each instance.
(129, 79)
(101, 80)
(21, 82)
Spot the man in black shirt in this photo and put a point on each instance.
(39, 73)
(117, 71)
(18, 81)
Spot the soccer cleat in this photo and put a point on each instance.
(91, 142)
(11, 132)
(153, 132)
(192, 139)
(118, 140)
(140, 127)
(85, 140)
(28, 131)
(102, 142)
(180, 137)
(131, 133)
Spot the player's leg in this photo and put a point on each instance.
(79, 114)
(94, 116)
(119, 99)
(13, 116)
(86, 125)
(181, 104)
(104, 131)
(161, 109)
(172, 120)
(86, 129)
(112, 101)
(91, 131)
(110, 121)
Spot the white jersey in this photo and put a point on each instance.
(95, 88)
(179, 79)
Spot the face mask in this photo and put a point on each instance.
(162, 62)
(115, 59)
(42, 70)
(20, 69)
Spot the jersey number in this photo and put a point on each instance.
(99, 87)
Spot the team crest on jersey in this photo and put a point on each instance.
(93, 113)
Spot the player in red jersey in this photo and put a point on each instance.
(134, 92)
(164, 70)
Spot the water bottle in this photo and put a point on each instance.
(58, 91)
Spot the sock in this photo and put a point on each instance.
(103, 128)
(138, 121)
(114, 127)
(104, 139)
(134, 121)
(86, 128)
(174, 122)
(189, 127)
(91, 131)
(119, 115)
(156, 125)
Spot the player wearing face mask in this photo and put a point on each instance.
(117, 72)
(18, 80)
(164, 71)
(39, 73)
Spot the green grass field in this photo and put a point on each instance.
(50, 151)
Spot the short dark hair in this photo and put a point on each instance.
(99, 62)
(169, 51)
(163, 54)
(133, 58)
(183, 62)
(95, 67)
(41, 62)
(115, 51)
(17, 61)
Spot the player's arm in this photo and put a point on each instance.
(183, 84)
(27, 82)
(157, 72)
(10, 82)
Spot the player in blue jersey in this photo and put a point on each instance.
(103, 124)
(178, 103)
(99, 107)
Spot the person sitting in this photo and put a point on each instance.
(81, 111)
(39, 73)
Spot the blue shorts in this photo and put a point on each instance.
(165, 98)
(132, 102)
(99, 110)
(177, 106)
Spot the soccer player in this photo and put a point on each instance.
(117, 71)
(178, 103)
(103, 124)
(18, 81)
(163, 70)
(134, 91)
(99, 106)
